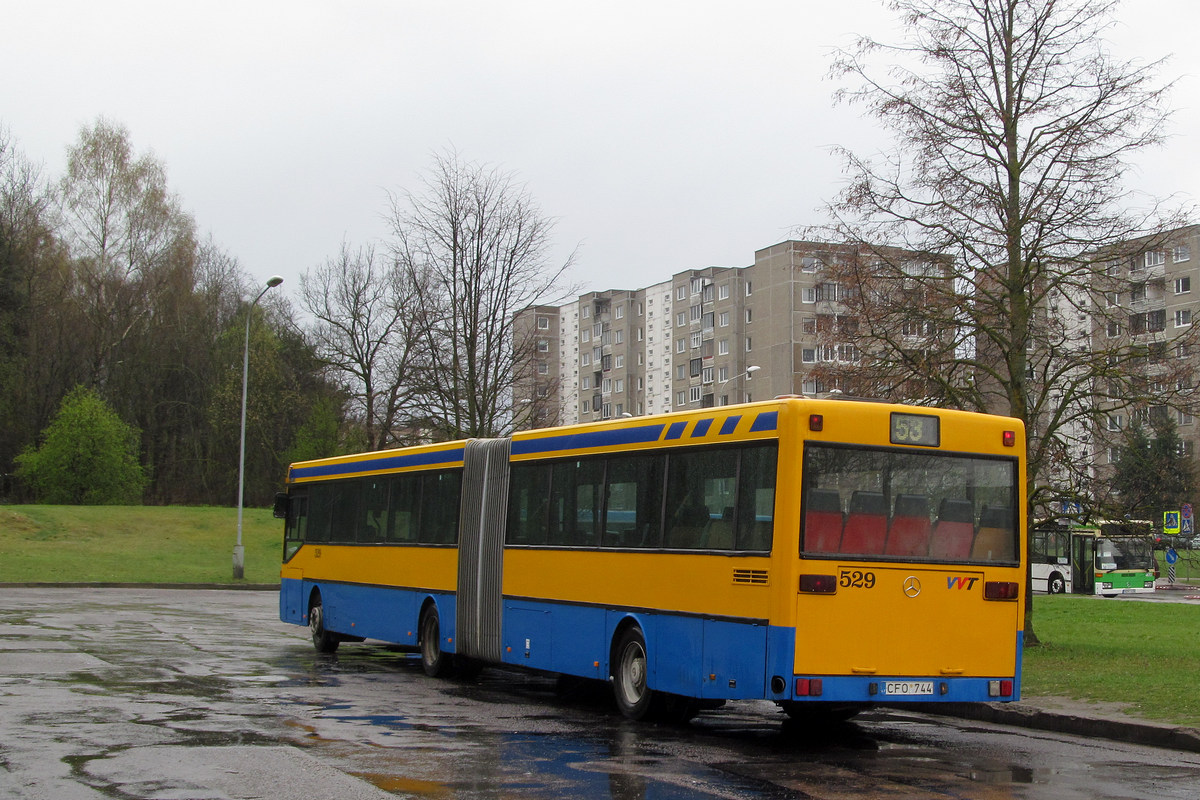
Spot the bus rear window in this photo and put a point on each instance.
(904, 505)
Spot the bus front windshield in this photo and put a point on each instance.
(908, 505)
(1122, 554)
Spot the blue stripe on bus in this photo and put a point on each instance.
(766, 421)
(701, 428)
(676, 430)
(383, 462)
(642, 434)
(730, 425)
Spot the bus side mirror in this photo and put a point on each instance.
(282, 502)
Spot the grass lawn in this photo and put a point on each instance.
(1146, 654)
(136, 544)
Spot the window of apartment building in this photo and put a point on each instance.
(1184, 447)
(641, 359)
(681, 293)
(706, 321)
(749, 344)
(681, 319)
(1114, 329)
(585, 382)
(1137, 292)
(1112, 298)
(606, 413)
(723, 319)
(620, 311)
(597, 330)
(1183, 285)
(1183, 317)
(585, 335)
(587, 311)
(618, 361)
(681, 345)
(1182, 350)
(723, 347)
(619, 336)
(543, 346)
(749, 315)
(696, 339)
(619, 385)
(808, 355)
(723, 291)
(640, 334)
(694, 366)
(1115, 422)
(544, 323)
(707, 375)
(543, 369)
(723, 373)
(697, 285)
(1184, 418)
(1156, 320)
(695, 313)
(1156, 258)
(681, 372)
(810, 294)
(680, 398)
(606, 387)
(606, 363)
(585, 360)
(694, 394)
(586, 407)
(707, 295)
(749, 288)
(1181, 253)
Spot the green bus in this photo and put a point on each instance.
(1106, 559)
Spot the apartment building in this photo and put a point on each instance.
(704, 337)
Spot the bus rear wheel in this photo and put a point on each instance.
(634, 697)
(1057, 584)
(322, 639)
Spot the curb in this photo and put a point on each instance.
(1131, 731)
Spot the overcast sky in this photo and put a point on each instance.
(663, 136)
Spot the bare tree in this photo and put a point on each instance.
(367, 330)
(1012, 128)
(477, 247)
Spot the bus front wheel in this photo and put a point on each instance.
(630, 670)
(1057, 584)
(435, 663)
(322, 639)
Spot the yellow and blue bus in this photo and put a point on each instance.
(824, 554)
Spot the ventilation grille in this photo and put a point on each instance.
(757, 577)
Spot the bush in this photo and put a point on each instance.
(88, 456)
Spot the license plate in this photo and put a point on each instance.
(908, 687)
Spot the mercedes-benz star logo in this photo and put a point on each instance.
(912, 586)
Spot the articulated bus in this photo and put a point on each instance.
(1106, 559)
(827, 555)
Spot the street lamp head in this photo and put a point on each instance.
(274, 281)
(755, 368)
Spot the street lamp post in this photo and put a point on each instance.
(239, 552)
(746, 374)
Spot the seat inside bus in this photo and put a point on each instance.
(994, 542)
(908, 534)
(954, 531)
(866, 524)
(823, 521)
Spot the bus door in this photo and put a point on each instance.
(1083, 564)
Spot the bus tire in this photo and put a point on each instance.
(630, 670)
(1056, 584)
(322, 639)
(435, 662)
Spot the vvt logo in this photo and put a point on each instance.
(960, 582)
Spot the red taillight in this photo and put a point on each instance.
(816, 422)
(809, 687)
(818, 584)
(1000, 590)
(1010, 438)
(1003, 688)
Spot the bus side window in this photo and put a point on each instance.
(823, 521)
(755, 509)
(529, 504)
(375, 511)
(994, 542)
(866, 524)
(908, 534)
(406, 494)
(440, 497)
(954, 531)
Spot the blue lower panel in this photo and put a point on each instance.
(688, 655)
(858, 689)
(373, 612)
